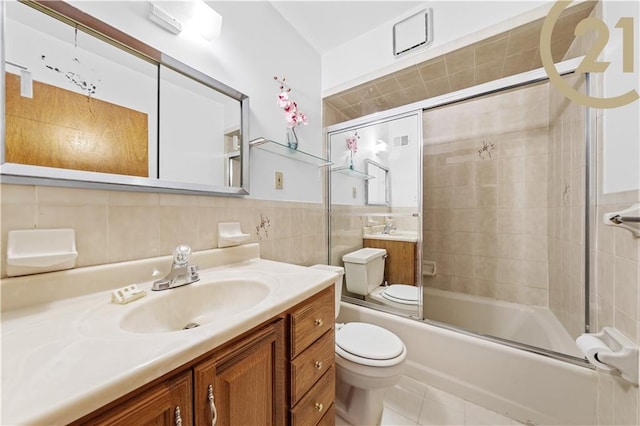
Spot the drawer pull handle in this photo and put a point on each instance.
(178, 416)
(319, 407)
(318, 365)
(212, 406)
(318, 322)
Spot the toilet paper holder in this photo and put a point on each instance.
(612, 351)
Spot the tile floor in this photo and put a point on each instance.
(414, 403)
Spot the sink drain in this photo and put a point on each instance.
(191, 325)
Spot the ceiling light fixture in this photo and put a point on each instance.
(204, 21)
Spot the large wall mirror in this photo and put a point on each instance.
(86, 104)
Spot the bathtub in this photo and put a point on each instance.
(527, 387)
(531, 325)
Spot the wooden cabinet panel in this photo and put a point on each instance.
(307, 368)
(247, 381)
(312, 408)
(63, 129)
(155, 406)
(400, 265)
(311, 321)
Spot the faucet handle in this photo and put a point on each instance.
(181, 255)
(193, 271)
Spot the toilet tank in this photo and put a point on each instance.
(338, 282)
(364, 270)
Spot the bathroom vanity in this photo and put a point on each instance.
(83, 360)
(246, 381)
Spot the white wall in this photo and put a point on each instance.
(371, 55)
(255, 44)
(621, 126)
(402, 161)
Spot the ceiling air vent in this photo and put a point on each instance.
(414, 32)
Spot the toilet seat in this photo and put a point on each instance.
(401, 293)
(370, 345)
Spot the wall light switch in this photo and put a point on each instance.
(279, 180)
(354, 192)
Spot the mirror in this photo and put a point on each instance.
(375, 203)
(102, 108)
(376, 189)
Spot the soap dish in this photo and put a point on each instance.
(127, 294)
(33, 251)
(229, 234)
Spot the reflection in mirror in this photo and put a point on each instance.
(193, 139)
(82, 107)
(375, 229)
(74, 101)
(376, 189)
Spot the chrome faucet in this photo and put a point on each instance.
(389, 226)
(181, 272)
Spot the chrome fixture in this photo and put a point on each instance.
(389, 226)
(623, 219)
(181, 272)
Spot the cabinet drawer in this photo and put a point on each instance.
(315, 404)
(307, 368)
(329, 418)
(311, 321)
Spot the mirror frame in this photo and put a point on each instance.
(38, 175)
(368, 162)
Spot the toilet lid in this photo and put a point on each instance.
(401, 293)
(359, 342)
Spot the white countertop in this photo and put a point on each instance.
(64, 359)
(405, 236)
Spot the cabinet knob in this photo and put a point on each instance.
(318, 322)
(318, 365)
(319, 407)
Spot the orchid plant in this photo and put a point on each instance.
(352, 146)
(292, 115)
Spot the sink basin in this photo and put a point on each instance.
(193, 305)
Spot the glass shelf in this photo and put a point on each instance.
(283, 150)
(352, 172)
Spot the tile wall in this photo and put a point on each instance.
(347, 222)
(485, 195)
(115, 226)
(566, 212)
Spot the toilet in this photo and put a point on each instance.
(369, 361)
(364, 270)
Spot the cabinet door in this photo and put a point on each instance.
(166, 404)
(247, 381)
(400, 265)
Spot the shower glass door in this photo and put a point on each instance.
(504, 215)
(375, 202)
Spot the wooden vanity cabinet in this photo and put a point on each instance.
(281, 372)
(400, 265)
(247, 381)
(168, 403)
(312, 364)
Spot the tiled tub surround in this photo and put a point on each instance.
(115, 226)
(485, 195)
(566, 208)
(64, 354)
